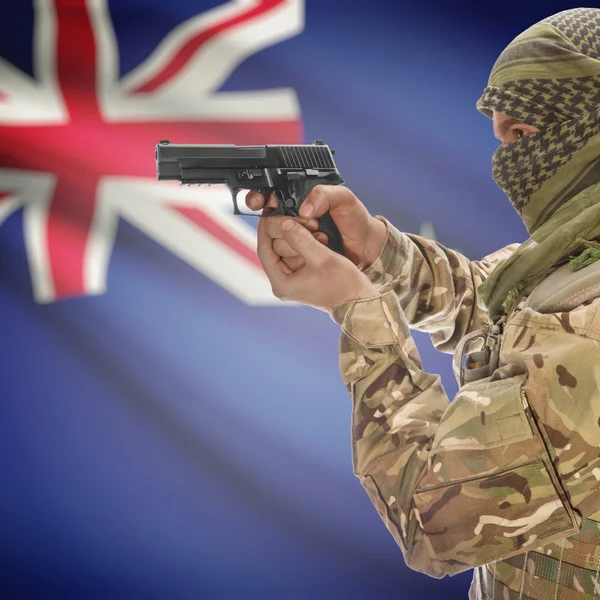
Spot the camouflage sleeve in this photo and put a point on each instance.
(436, 286)
(457, 484)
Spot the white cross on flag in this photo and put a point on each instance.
(77, 141)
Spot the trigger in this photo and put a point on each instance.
(279, 209)
(265, 194)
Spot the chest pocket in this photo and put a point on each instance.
(490, 490)
(485, 414)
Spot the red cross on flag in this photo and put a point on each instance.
(77, 141)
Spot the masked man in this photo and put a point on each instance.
(505, 479)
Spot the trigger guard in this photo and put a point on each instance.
(281, 209)
(234, 197)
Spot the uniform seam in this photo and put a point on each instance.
(585, 332)
(579, 294)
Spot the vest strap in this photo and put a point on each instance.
(573, 565)
(564, 289)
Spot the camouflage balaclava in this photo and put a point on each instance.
(548, 77)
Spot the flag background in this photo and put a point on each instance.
(167, 440)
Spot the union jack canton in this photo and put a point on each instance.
(77, 141)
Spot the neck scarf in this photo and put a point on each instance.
(548, 77)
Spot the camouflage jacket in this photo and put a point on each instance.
(513, 462)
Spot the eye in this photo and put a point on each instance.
(519, 133)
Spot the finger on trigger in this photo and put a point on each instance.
(254, 200)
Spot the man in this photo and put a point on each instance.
(505, 478)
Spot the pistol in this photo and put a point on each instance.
(289, 172)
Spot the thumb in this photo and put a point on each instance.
(326, 198)
(302, 241)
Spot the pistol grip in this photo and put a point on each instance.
(290, 205)
(327, 225)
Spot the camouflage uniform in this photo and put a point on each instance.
(505, 476)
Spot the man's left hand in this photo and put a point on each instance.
(326, 278)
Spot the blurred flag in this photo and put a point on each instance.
(76, 140)
(168, 429)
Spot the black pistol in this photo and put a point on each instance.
(289, 172)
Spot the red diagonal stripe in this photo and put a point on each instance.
(187, 51)
(201, 218)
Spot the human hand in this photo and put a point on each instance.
(324, 280)
(363, 235)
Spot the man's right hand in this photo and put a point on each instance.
(363, 235)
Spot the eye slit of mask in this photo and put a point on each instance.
(518, 135)
(513, 130)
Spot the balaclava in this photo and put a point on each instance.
(548, 77)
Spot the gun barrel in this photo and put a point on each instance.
(173, 159)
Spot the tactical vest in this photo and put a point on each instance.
(567, 570)
(574, 563)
